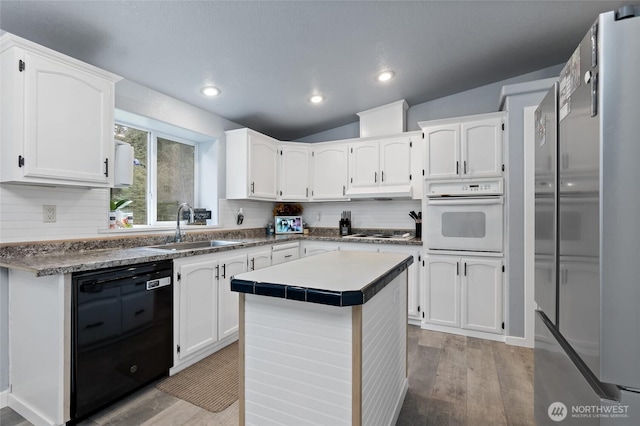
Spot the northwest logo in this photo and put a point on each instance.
(557, 411)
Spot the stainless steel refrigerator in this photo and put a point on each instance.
(587, 232)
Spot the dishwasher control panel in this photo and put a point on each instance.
(161, 282)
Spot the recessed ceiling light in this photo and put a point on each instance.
(385, 76)
(316, 99)
(210, 91)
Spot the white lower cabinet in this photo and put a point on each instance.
(285, 253)
(318, 248)
(205, 308)
(464, 292)
(259, 259)
(227, 299)
(196, 300)
(413, 275)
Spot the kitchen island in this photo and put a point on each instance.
(323, 340)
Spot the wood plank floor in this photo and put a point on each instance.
(453, 380)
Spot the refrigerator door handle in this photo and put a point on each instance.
(594, 94)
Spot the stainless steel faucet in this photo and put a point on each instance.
(178, 233)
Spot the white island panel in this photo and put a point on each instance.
(298, 362)
(384, 363)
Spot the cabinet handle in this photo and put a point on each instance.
(344, 190)
(217, 272)
(382, 177)
(457, 167)
(253, 264)
(457, 268)
(375, 176)
(307, 193)
(106, 167)
(465, 166)
(224, 270)
(288, 255)
(252, 187)
(465, 269)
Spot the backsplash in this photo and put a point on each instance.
(371, 214)
(81, 213)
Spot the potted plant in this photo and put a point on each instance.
(287, 209)
(118, 218)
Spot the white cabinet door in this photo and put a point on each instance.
(442, 151)
(263, 156)
(313, 249)
(251, 165)
(228, 300)
(482, 148)
(364, 164)
(285, 253)
(294, 172)
(442, 291)
(413, 280)
(468, 147)
(482, 294)
(330, 171)
(259, 259)
(57, 116)
(197, 284)
(395, 162)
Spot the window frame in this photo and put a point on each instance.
(152, 172)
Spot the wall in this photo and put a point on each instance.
(475, 101)
(364, 214)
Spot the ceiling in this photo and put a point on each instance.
(268, 57)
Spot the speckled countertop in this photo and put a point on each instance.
(66, 257)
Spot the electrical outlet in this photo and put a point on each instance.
(48, 214)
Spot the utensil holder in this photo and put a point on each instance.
(418, 229)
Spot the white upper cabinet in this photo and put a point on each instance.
(252, 164)
(329, 171)
(467, 147)
(380, 167)
(294, 172)
(57, 117)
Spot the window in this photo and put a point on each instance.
(164, 174)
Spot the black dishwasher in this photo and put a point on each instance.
(122, 333)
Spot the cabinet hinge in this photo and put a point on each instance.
(178, 348)
(21, 65)
(20, 161)
(503, 325)
(503, 167)
(503, 127)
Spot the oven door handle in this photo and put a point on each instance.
(466, 201)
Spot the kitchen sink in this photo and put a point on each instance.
(191, 245)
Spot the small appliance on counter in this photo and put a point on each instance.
(288, 225)
(345, 223)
